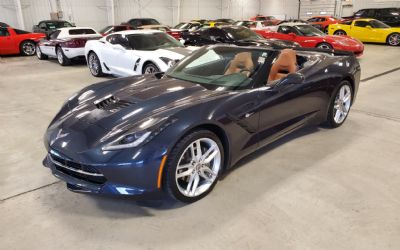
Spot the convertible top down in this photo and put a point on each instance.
(175, 133)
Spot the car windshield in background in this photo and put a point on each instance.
(308, 30)
(247, 24)
(149, 22)
(152, 41)
(378, 24)
(57, 25)
(180, 25)
(81, 32)
(221, 68)
(105, 29)
(241, 33)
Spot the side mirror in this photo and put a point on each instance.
(293, 78)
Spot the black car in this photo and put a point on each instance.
(390, 16)
(178, 132)
(137, 22)
(48, 26)
(236, 35)
(225, 20)
(4, 25)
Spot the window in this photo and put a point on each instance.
(42, 26)
(241, 33)
(112, 39)
(81, 32)
(285, 30)
(362, 24)
(152, 41)
(370, 13)
(55, 34)
(120, 28)
(360, 13)
(4, 32)
(21, 32)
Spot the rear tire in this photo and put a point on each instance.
(393, 39)
(326, 30)
(340, 105)
(27, 48)
(61, 58)
(39, 54)
(189, 178)
(94, 65)
(340, 33)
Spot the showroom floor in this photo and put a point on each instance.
(316, 189)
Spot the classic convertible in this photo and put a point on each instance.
(15, 41)
(66, 44)
(177, 132)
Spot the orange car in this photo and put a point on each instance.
(322, 22)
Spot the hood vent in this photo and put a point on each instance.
(111, 103)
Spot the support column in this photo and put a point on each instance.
(20, 17)
(111, 12)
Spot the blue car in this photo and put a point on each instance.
(177, 132)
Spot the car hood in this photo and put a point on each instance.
(173, 52)
(102, 114)
(349, 41)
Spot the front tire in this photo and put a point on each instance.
(340, 33)
(193, 166)
(27, 48)
(61, 58)
(39, 54)
(393, 39)
(150, 68)
(326, 46)
(94, 65)
(340, 105)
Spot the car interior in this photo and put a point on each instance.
(283, 65)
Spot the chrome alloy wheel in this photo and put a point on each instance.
(342, 104)
(94, 64)
(324, 46)
(150, 69)
(394, 39)
(29, 48)
(60, 56)
(198, 167)
(38, 52)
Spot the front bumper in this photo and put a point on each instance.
(90, 179)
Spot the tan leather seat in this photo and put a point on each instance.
(241, 63)
(284, 65)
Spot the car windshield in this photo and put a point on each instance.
(152, 41)
(241, 33)
(57, 25)
(105, 29)
(308, 30)
(180, 25)
(149, 22)
(378, 24)
(221, 67)
(247, 24)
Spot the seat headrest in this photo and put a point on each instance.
(241, 61)
(283, 65)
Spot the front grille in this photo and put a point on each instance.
(112, 104)
(83, 172)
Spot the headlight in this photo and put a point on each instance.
(168, 61)
(146, 132)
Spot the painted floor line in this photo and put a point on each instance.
(380, 74)
(32, 190)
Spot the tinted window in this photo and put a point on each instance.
(378, 24)
(112, 39)
(21, 32)
(105, 29)
(120, 28)
(55, 34)
(152, 41)
(286, 30)
(57, 25)
(4, 32)
(360, 13)
(308, 30)
(362, 23)
(142, 22)
(81, 32)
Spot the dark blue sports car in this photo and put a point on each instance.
(177, 132)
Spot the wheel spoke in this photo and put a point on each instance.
(347, 97)
(184, 166)
(195, 184)
(341, 93)
(184, 173)
(190, 182)
(211, 157)
(198, 150)
(207, 174)
(337, 115)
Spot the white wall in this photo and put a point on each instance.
(8, 13)
(240, 9)
(200, 9)
(91, 13)
(280, 8)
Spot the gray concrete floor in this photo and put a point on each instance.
(315, 189)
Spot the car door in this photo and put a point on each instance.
(117, 57)
(48, 45)
(287, 105)
(6, 42)
(363, 31)
(285, 33)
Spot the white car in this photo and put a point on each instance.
(66, 44)
(133, 52)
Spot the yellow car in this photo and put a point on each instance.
(367, 30)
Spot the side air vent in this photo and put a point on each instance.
(111, 103)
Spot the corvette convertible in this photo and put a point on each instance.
(311, 37)
(177, 132)
(368, 30)
(15, 41)
(66, 44)
(133, 52)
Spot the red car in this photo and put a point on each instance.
(268, 20)
(322, 22)
(311, 37)
(114, 28)
(15, 41)
(174, 33)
